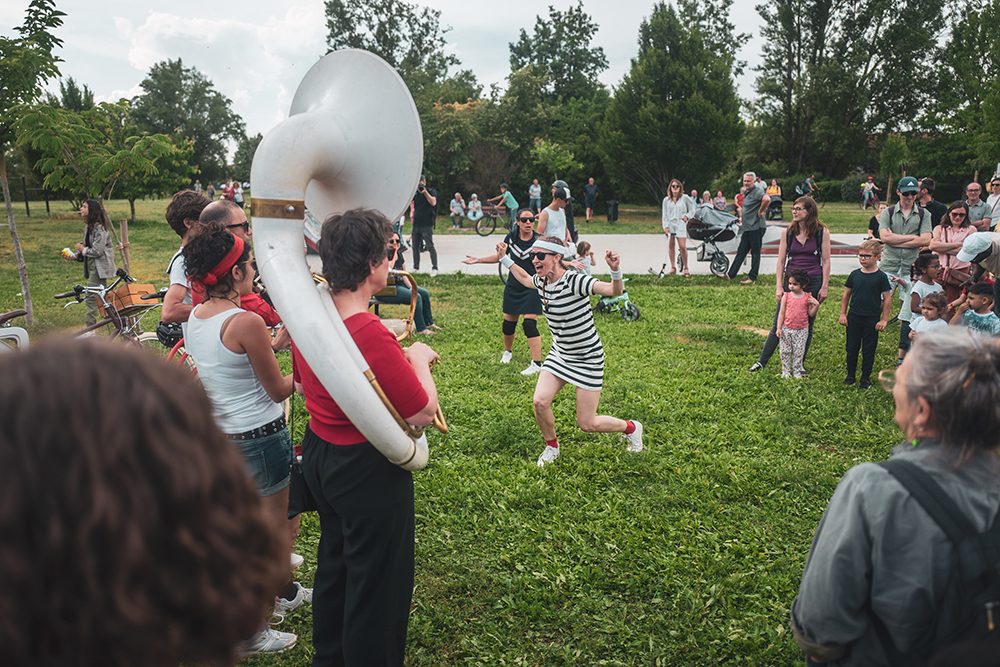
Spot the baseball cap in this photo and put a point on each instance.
(973, 245)
(908, 184)
(560, 184)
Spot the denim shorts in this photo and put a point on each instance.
(269, 459)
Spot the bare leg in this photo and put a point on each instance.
(671, 253)
(545, 390)
(587, 418)
(508, 341)
(682, 249)
(535, 344)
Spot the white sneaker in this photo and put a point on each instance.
(297, 561)
(434, 273)
(549, 454)
(532, 369)
(635, 438)
(268, 641)
(303, 596)
(506, 357)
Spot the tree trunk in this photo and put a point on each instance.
(22, 267)
(888, 191)
(131, 205)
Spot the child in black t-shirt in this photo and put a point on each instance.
(869, 294)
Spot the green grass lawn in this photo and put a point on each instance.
(687, 554)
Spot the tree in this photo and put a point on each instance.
(555, 158)
(407, 36)
(71, 96)
(559, 49)
(26, 63)
(243, 158)
(675, 114)
(181, 102)
(833, 73)
(101, 152)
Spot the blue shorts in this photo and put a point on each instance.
(269, 459)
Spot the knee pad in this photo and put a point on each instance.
(530, 328)
(509, 327)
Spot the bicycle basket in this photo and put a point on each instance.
(127, 299)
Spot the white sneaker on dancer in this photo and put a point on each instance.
(635, 438)
(549, 454)
(533, 368)
(267, 641)
(297, 561)
(506, 357)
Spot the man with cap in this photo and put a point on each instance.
(905, 228)
(983, 250)
(552, 219)
(979, 211)
(568, 208)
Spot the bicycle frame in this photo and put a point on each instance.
(125, 326)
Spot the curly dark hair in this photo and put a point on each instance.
(801, 277)
(203, 252)
(185, 205)
(350, 243)
(130, 533)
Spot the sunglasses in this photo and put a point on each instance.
(799, 208)
(540, 256)
(531, 219)
(393, 241)
(245, 225)
(907, 194)
(957, 214)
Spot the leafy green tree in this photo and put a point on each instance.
(181, 102)
(833, 73)
(559, 48)
(72, 96)
(675, 114)
(101, 152)
(893, 159)
(557, 160)
(245, 149)
(27, 61)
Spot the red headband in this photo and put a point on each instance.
(225, 264)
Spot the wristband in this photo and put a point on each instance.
(506, 262)
(616, 275)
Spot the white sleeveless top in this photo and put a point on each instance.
(239, 401)
(557, 223)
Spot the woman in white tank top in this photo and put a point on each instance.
(232, 350)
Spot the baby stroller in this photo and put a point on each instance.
(711, 226)
(773, 211)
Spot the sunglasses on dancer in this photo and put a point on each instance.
(528, 219)
(540, 256)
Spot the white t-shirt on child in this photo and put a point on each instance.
(921, 288)
(920, 324)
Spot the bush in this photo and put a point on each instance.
(850, 188)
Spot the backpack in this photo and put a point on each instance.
(972, 598)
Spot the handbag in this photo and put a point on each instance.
(300, 499)
(952, 276)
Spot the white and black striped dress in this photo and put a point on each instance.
(577, 355)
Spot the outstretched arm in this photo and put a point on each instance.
(520, 275)
(617, 285)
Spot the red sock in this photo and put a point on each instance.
(552, 443)
(629, 427)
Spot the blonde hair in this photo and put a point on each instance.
(874, 246)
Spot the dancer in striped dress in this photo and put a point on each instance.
(577, 356)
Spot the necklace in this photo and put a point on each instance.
(226, 298)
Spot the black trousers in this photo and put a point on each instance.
(771, 343)
(364, 574)
(861, 335)
(750, 242)
(424, 236)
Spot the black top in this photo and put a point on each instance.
(873, 227)
(423, 212)
(866, 292)
(937, 211)
(517, 250)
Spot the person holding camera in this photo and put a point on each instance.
(423, 213)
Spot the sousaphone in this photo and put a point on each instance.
(352, 139)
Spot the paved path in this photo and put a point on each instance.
(639, 253)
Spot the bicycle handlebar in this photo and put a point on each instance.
(75, 292)
(154, 295)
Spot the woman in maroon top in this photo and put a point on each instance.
(364, 576)
(805, 246)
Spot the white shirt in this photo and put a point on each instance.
(556, 225)
(676, 211)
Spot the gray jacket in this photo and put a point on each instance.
(877, 552)
(101, 250)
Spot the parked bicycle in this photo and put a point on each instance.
(11, 337)
(492, 215)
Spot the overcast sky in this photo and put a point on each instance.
(256, 51)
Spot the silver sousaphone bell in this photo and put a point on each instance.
(352, 139)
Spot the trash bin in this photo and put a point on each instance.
(612, 210)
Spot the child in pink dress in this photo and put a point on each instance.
(797, 306)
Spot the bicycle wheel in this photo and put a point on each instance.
(485, 225)
(148, 341)
(503, 273)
